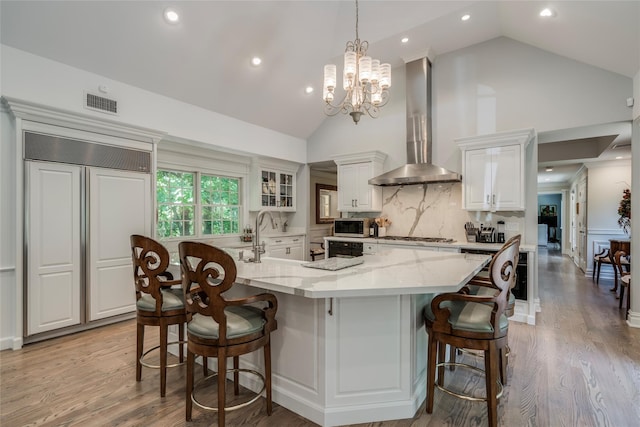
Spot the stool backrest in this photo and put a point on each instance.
(150, 262)
(207, 272)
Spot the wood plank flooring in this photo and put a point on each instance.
(579, 366)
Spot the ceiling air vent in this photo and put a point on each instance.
(100, 103)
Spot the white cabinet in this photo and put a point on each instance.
(273, 185)
(354, 192)
(493, 171)
(288, 247)
(75, 278)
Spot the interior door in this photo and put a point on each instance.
(119, 205)
(53, 246)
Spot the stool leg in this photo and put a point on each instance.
(181, 339)
(267, 375)
(453, 351)
(491, 375)
(598, 273)
(164, 330)
(621, 296)
(189, 404)
(205, 365)
(236, 375)
(139, 347)
(503, 365)
(441, 352)
(222, 379)
(432, 350)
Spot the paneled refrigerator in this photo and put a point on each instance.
(83, 201)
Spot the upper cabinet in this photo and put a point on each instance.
(273, 185)
(493, 170)
(354, 171)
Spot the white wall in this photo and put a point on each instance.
(32, 78)
(493, 86)
(7, 231)
(605, 182)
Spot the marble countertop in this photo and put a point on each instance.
(395, 271)
(461, 245)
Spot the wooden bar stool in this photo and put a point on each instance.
(157, 304)
(476, 322)
(220, 327)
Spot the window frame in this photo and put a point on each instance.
(198, 205)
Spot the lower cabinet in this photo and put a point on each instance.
(289, 247)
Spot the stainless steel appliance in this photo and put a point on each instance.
(419, 168)
(83, 200)
(345, 249)
(351, 227)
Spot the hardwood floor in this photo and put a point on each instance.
(579, 366)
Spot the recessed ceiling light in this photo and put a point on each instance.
(308, 89)
(405, 39)
(547, 179)
(171, 16)
(547, 13)
(618, 157)
(255, 61)
(548, 169)
(465, 17)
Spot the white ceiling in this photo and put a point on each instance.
(205, 59)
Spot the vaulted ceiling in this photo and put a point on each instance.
(205, 58)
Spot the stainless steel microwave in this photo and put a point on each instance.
(351, 227)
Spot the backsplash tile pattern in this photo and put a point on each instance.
(435, 210)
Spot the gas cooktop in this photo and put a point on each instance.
(418, 239)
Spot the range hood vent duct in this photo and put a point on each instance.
(419, 169)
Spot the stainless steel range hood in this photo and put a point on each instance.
(419, 169)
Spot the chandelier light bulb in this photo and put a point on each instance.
(365, 69)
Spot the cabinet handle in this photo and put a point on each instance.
(295, 240)
(278, 241)
(494, 199)
(288, 251)
(487, 199)
(356, 203)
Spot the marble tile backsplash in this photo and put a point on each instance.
(435, 210)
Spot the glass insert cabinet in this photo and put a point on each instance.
(275, 187)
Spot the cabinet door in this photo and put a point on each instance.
(120, 205)
(54, 245)
(286, 182)
(507, 181)
(477, 179)
(364, 171)
(347, 178)
(277, 252)
(268, 187)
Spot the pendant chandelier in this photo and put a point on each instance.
(366, 82)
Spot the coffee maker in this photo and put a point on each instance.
(500, 237)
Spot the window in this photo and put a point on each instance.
(212, 207)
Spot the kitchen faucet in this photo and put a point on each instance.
(258, 248)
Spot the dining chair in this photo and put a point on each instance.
(476, 322)
(223, 327)
(602, 257)
(157, 303)
(622, 265)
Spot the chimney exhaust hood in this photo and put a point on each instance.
(419, 169)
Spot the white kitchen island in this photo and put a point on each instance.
(350, 345)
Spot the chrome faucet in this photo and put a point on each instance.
(258, 249)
